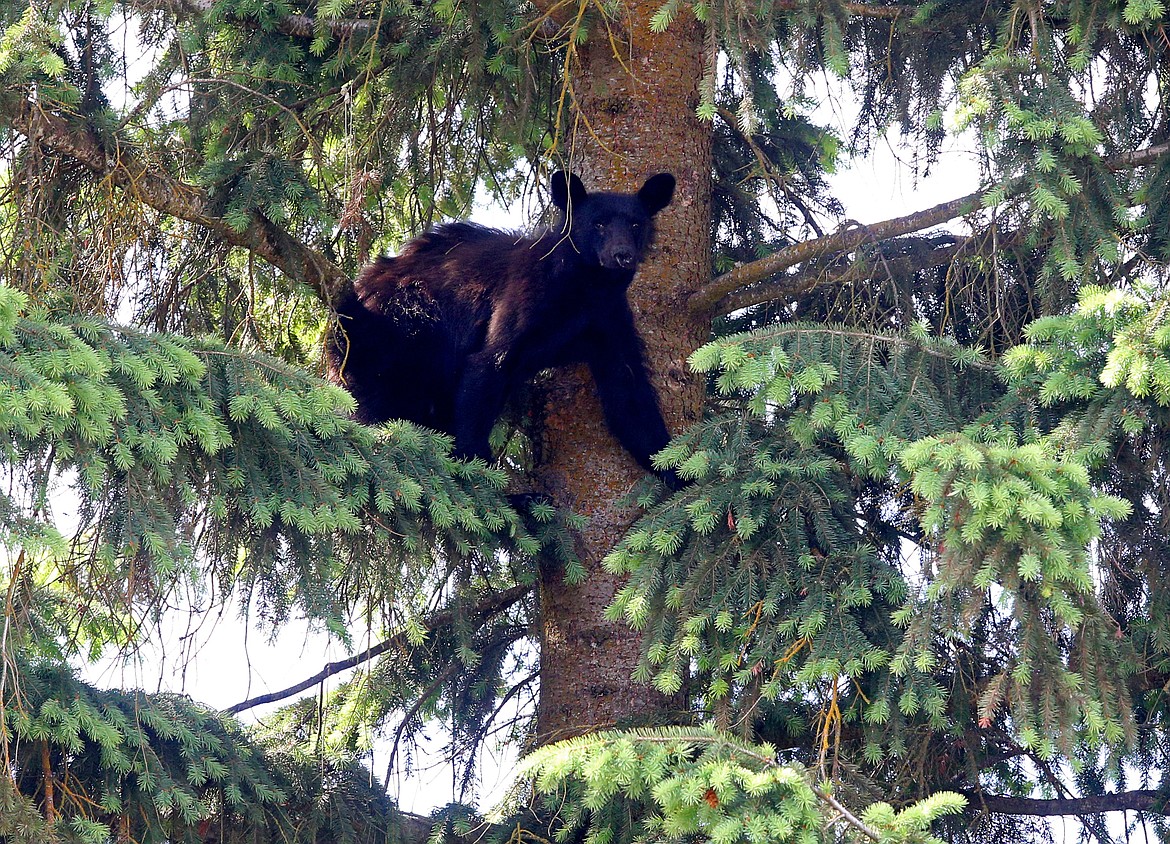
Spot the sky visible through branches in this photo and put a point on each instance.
(218, 661)
(907, 315)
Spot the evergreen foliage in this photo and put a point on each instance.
(788, 595)
(110, 764)
(767, 578)
(681, 784)
(183, 448)
(199, 467)
(921, 554)
(1015, 520)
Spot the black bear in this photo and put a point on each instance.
(446, 331)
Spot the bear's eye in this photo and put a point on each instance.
(635, 226)
(599, 226)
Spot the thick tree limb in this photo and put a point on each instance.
(492, 605)
(1137, 158)
(1145, 800)
(711, 298)
(845, 240)
(160, 191)
(789, 286)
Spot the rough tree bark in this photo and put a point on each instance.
(635, 93)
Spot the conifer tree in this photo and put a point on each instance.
(915, 584)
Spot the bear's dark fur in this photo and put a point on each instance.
(445, 332)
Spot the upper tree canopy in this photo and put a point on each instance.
(923, 553)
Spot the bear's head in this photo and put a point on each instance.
(610, 230)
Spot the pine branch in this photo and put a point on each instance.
(1142, 800)
(861, 10)
(298, 26)
(710, 299)
(490, 606)
(769, 173)
(161, 192)
(437, 682)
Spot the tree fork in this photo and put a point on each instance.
(634, 94)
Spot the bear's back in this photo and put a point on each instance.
(465, 261)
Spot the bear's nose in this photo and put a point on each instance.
(624, 259)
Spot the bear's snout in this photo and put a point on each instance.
(619, 253)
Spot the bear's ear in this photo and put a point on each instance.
(567, 190)
(657, 192)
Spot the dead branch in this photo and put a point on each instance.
(714, 297)
(1144, 800)
(706, 299)
(490, 606)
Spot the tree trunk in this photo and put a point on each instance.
(635, 94)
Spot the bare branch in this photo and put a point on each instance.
(160, 191)
(1137, 158)
(453, 668)
(790, 286)
(849, 817)
(492, 605)
(1145, 800)
(706, 299)
(712, 298)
